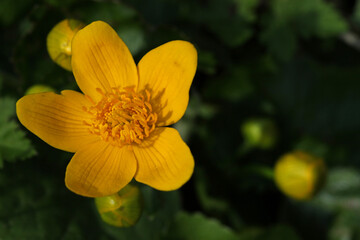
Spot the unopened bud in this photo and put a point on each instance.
(122, 209)
(59, 41)
(300, 175)
(260, 133)
(38, 88)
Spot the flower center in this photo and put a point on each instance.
(122, 117)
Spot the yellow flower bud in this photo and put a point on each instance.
(261, 133)
(122, 209)
(300, 175)
(59, 41)
(38, 88)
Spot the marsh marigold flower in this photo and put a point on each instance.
(117, 127)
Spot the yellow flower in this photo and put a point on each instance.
(117, 128)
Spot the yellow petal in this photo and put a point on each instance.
(100, 169)
(164, 160)
(167, 72)
(56, 119)
(100, 59)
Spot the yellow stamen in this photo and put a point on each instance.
(122, 117)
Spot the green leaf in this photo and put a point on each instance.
(344, 181)
(277, 232)
(356, 14)
(290, 20)
(235, 85)
(346, 226)
(1, 80)
(309, 94)
(196, 226)
(219, 17)
(60, 3)
(246, 9)
(280, 232)
(280, 40)
(341, 197)
(341, 192)
(208, 202)
(207, 62)
(109, 12)
(35, 204)
(196, 109)
(133, 36)
(312, 146)
(13, 143)
(10, 12)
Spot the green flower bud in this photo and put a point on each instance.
(261, 133)
(38, 88)
(59, 41)
(300, 175)
(122, 209)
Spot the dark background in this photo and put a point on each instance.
(295, 63)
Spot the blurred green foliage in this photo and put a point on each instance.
(13, 144)
(295, 62)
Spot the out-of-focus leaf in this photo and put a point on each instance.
(277, 232)
(196, 109)
(312, 146)
(280, 232)
(293, 19)
(111, 12)
(1, 81)
(356, 13)
(26, 27)
(246, 9)
(220, 17)
(207, 62)
(60, 3)
(157, 12)
(9, 12)
(42, 70)
(341, 197)
(209, 203)
(35, 204)
(342, 191)
(280, 40)
(343, 181)
(318, 99)
(196, 226)
(13, 143)
(346, 226)
(233, 86)
(133, 36)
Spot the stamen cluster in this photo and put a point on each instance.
(122, 117)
